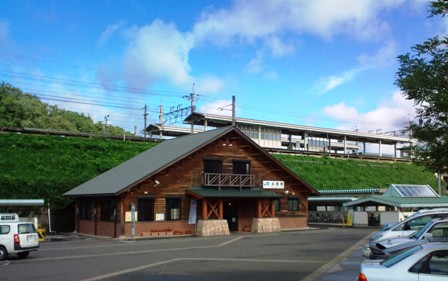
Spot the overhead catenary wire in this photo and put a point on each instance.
(138, 96)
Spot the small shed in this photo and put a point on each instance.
(398, 201)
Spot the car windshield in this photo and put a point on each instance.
(421, 232)
(394, 259)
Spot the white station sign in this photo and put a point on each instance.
(274, 184)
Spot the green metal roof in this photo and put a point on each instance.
(345, 191)
(331, 199)
(146, 164)
(402, 202)
(253, 192)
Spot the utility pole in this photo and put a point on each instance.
(145, 114)
(192, 97)
(233, 111)
(106, 118)
(160, 119)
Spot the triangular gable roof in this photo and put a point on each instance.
(156, 159)
(410, 190)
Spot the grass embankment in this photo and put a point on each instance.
(36, 166)
(328, 173)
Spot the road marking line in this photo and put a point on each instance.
(253, 260)
(129, 270)
(144, 251)
(323, 269)
(109, 275)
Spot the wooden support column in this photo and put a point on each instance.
(96, 216)
(204, 209)
(77, 215)
(221, 209)
(271, 201)
(122, 217)
(259, 207)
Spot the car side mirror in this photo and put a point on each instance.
(428, 235)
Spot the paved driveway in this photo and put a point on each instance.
(296, 255)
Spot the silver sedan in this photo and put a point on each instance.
(427, 262)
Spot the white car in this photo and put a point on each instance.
(435, 228)
(17, 237)
(427, 262)
(404, 228)
(409, 225)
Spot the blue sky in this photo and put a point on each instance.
(323, 63)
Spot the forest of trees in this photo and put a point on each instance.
(22, 110)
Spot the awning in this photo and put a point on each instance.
(331, 199)
(253, 192)
(409, 202)
(21, 202)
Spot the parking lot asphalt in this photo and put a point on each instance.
(316, 254)
(345, 267)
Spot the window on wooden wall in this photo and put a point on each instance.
(172, 208)
(108, 206)
(85, 209)
(293, 204)
(277, 205)
(213, 166)
(241, 167)
(145, 209)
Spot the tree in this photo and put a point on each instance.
(423, 78)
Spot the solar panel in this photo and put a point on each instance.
(415, 190)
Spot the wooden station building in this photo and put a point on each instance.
(209, 183)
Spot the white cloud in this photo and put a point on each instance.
(266, 24)
(392, 114)
(110, 30)
(265, 19)
(445, 26)
(209, 85)
(385, 55)
(329, 83)
(278, 47)
(4, 31)
(255, 65)
(158, 51)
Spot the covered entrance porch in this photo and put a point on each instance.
(223, 211)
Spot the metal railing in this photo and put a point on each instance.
(228, 180)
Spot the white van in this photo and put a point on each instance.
(17, 237)
(408, 226)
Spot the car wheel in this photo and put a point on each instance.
(3, 253)
(23, 255)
